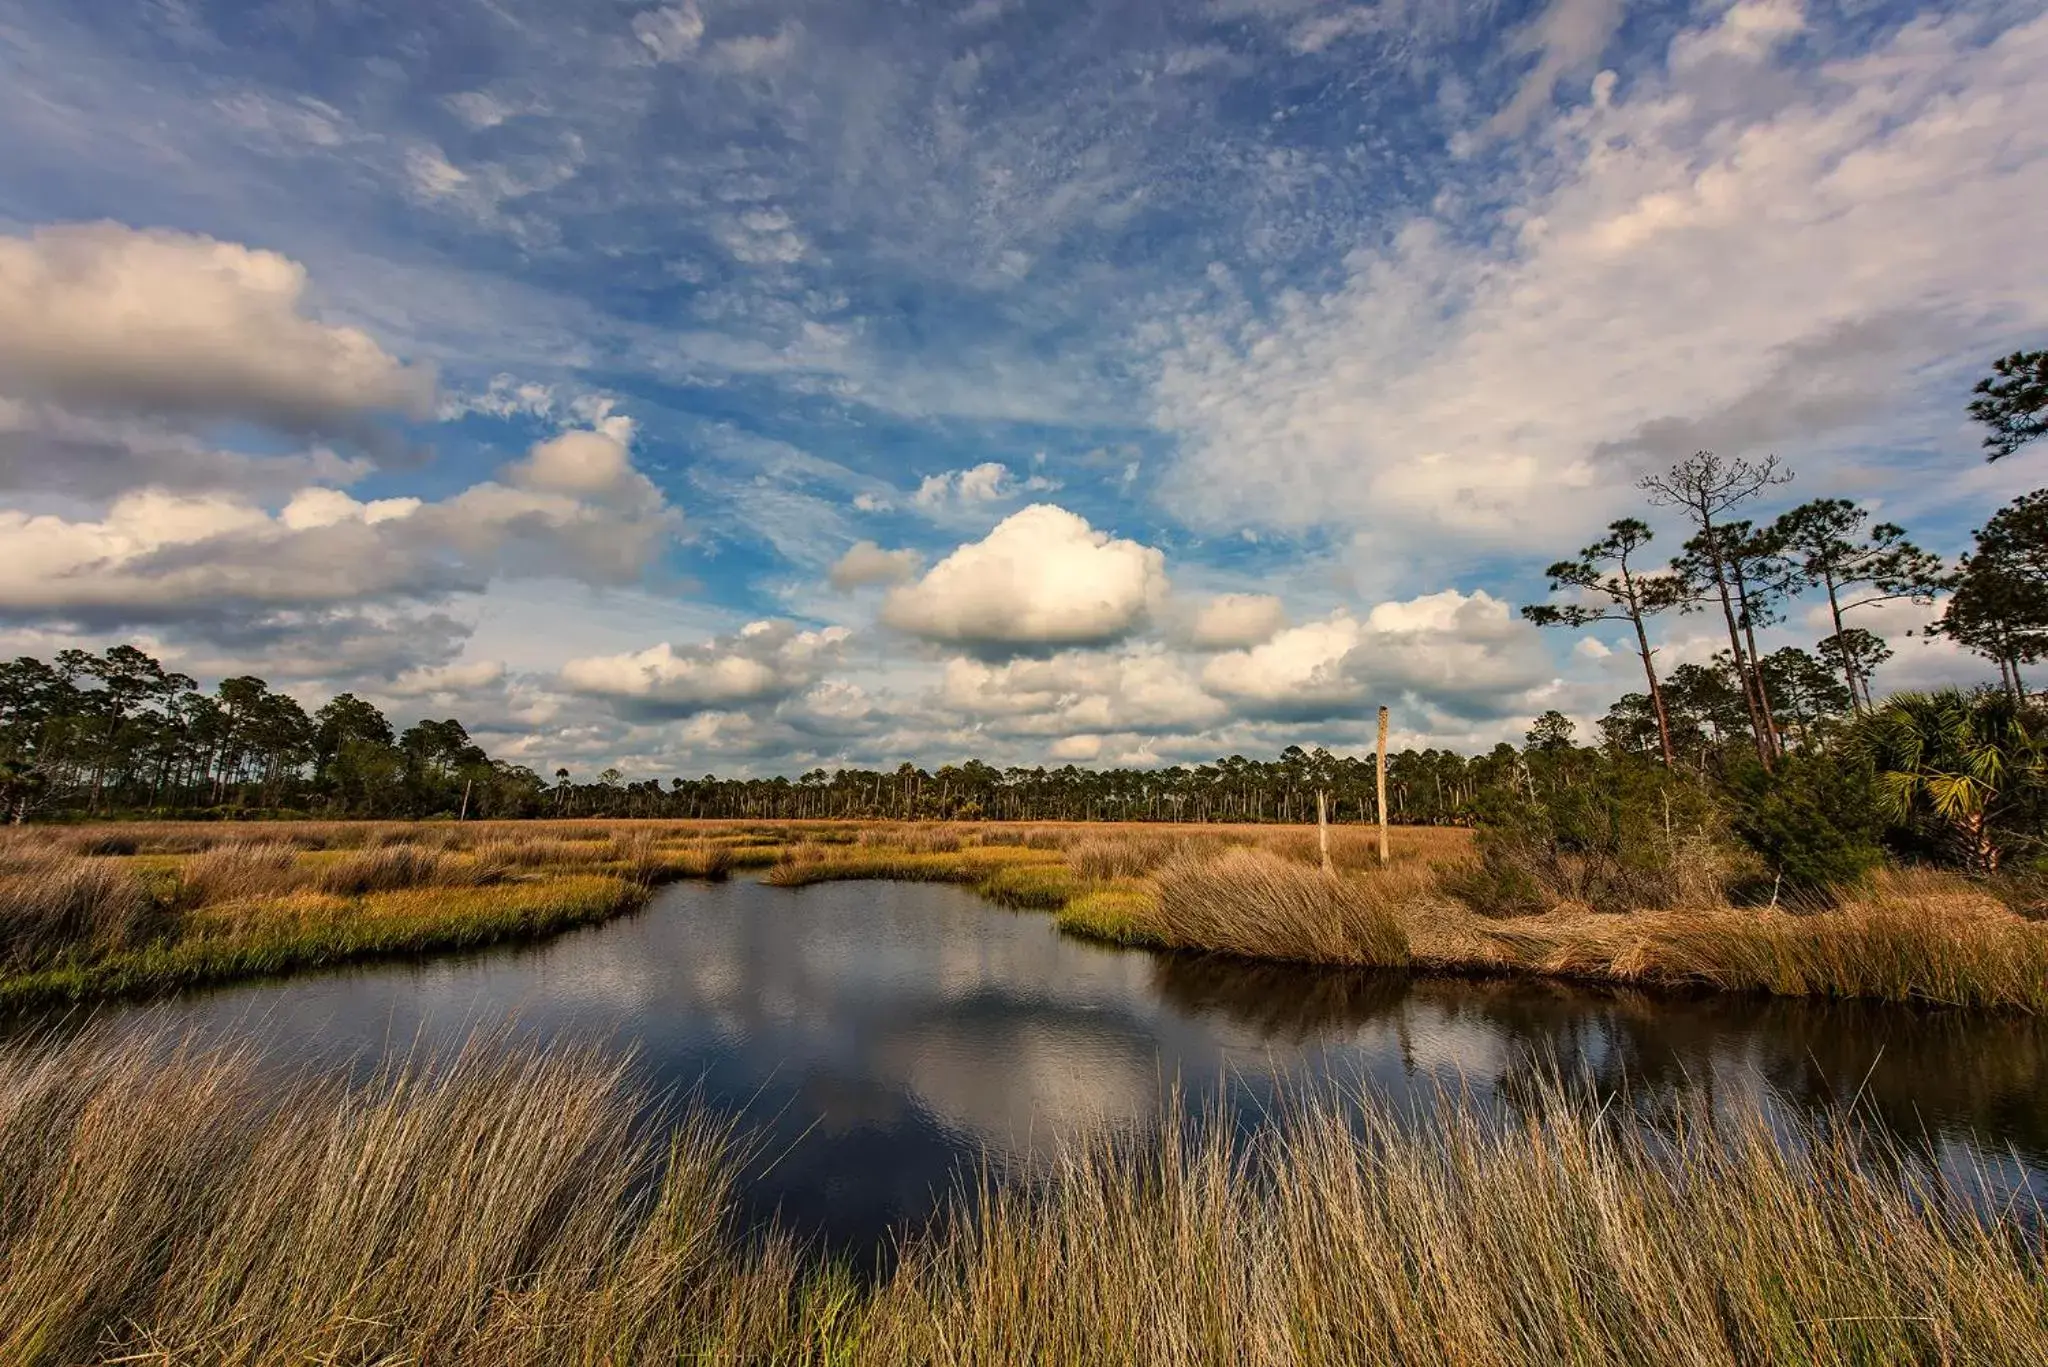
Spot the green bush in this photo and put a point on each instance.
(1623, 834)
(1813, 822)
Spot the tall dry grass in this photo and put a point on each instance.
(503, 1207)
(1260, 905)
(89, 903)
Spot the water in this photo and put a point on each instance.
(881, 1039)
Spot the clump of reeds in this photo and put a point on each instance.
(230, 872)
(1104, 858)
(1250, 902)
(1557, 1235)
(72, 907)
(383, 868)
(168, 1205)
(104, 843)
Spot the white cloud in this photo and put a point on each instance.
(573, 507)
(1459, 654)
(1232, 621)
(1146, 689)
(989, 482)
(450, 680)
(764, 662)
(99, 315)
(1564, 38)
(756, 52)
(866, 563)
(1737, 255)
(763, 237)
(1042, 578)
(671, 33)
(479, 108)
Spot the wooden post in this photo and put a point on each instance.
(1323, 827)
(463, 815)
(1383, 787)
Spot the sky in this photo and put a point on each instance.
(747, 386)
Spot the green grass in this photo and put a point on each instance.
(318, 932)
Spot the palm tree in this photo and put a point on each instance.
(1967, 763)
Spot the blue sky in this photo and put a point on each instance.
(742, 385)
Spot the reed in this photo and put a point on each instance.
(506, 1206)
(1256, 904)
(80, 905)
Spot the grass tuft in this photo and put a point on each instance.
(1249, 902)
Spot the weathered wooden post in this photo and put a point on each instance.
(1383, 787)
(1323, 827)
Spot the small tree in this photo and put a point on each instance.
(1827, 540)
(1705, 488)
(1620, 593)
(2013, 402)
(1999, 607)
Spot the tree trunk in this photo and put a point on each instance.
(1857, 699)
(1635, 616)
(1742, 670)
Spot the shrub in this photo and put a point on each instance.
(1631, 836)
(1103, 858)
(1813, 822)
(227, 872)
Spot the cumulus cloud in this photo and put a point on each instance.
(1459, 654)
(1775, 215)
(1230, 621)
(1142, 690)
(989, 482)
(866, 563)
(764, 662)
(447, 680)
(576, 509)
(1042, 579)
(103, 317)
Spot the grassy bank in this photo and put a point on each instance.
(1261, 893)
(132, 910)
(135, 908)
(166, 1206)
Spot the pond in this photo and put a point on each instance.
(880, 1039)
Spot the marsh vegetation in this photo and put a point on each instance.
(502, 1206)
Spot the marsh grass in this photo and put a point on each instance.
(91, 901)
(506, 1206)
(76, 928)
(1257, 904)
(189, 907)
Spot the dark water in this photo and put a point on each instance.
(881, 1038)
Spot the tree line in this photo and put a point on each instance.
(119, 734)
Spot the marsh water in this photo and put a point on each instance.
(880, 1040)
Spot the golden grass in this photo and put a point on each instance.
(501, 1207)
(1252, 891)
(190, 905)
(1254, 903)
